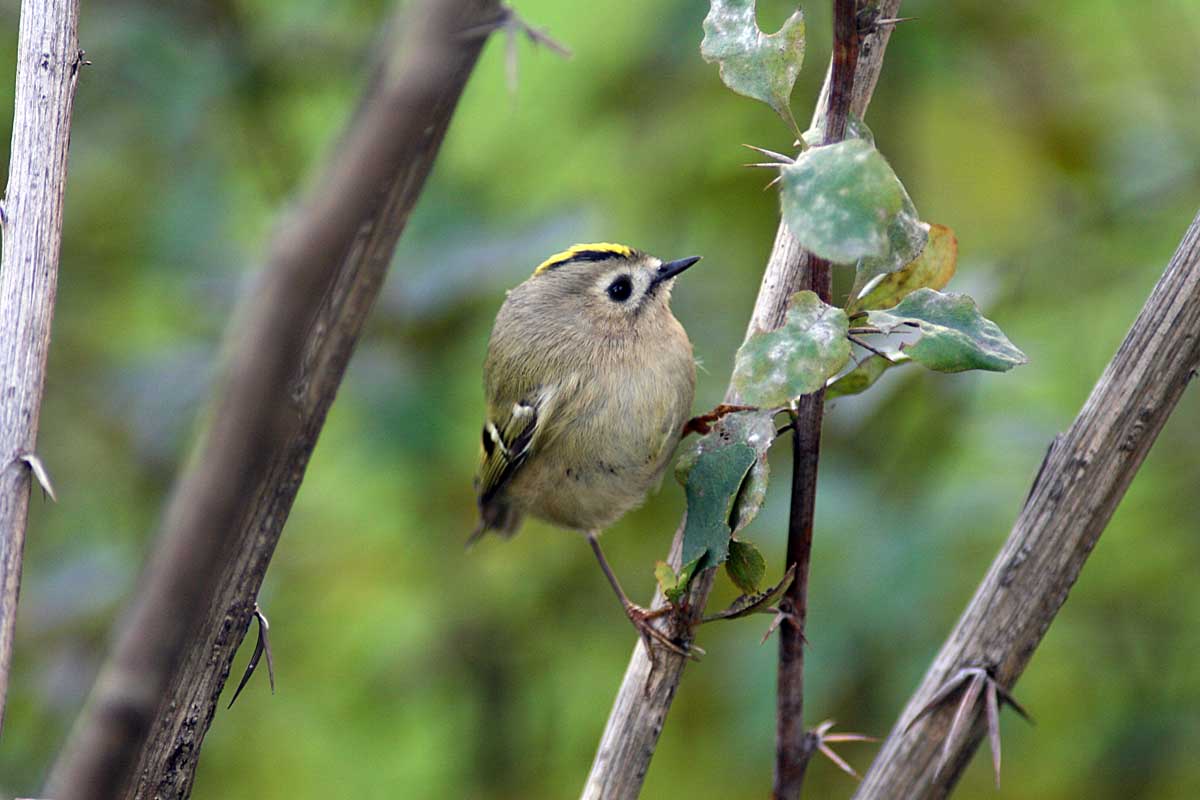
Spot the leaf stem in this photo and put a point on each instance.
(794, 745)
(866, 346)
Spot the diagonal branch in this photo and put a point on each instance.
(1083, 478)
(31, 216)
(154, 700)
(640, 708)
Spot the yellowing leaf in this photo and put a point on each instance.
(933, 269)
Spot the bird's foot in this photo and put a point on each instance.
(643, 620)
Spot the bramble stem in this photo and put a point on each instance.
(794, 745)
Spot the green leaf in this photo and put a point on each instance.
(776, 366)
(674, 585)
(754, 429)
(746, 566)
(665, 576)
(757, 429)
(954, 336)
(712, 483)
(863, 376)
(752, 63)
(933, 269)
(844, 203)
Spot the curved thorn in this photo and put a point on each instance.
(264, 630)
(263, 645)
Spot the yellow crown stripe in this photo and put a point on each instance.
(617, 250)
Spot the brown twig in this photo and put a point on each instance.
(31, 215)
(794, 746)
(702, 423)
(644, 699)
(142, 729)
(1083, 478)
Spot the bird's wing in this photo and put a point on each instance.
(509, 436)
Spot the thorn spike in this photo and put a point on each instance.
(263, 645)
(780, 157)
(993, 728)
(40, 473)
(958, 724)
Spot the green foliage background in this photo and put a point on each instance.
(1059, 140)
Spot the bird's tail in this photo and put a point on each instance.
(495, 517)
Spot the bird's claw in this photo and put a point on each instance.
(643, 620)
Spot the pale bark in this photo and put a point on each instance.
(1083, 478)
(31, 215)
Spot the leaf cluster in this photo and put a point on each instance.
(845, 204)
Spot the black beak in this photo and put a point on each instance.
(670, 269)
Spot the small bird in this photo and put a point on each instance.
(589, 379)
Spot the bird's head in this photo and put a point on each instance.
(611, 285)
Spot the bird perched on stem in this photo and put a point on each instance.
(589, 378)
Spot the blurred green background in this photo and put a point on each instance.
(1059, 140)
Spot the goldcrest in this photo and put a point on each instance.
(589, 379)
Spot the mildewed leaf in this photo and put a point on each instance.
(752, 63)
(712, 482)
(932, 269)
(774, 367)
(954, 335)
(844, 203)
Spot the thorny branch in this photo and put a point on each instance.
(644, 699)
(1075, 492)
(794, 746)
(31, 215)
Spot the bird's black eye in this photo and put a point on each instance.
(620, 289)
